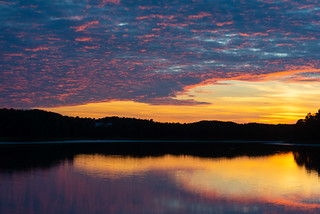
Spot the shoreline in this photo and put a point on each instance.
(81, 142)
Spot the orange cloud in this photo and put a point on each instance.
(258, 77)
(282, 44)
(37, 49)
(84, 39)
(254, 34)
(289, 72)
(244, 34)
(199, 16)
(148, 36)
(83, 27)
(223, 23)
(91, 47)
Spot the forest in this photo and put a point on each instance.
(29, 125)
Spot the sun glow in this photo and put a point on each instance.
(239, 101)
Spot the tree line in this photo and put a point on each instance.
(307, 129)
(42, 125)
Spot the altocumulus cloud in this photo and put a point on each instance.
(69, 52)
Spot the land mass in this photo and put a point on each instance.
(34, 125)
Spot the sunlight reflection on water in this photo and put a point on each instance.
(103, 183)
(273, 179)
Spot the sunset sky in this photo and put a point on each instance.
(169, 60)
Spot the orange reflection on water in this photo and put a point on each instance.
(270, 179)
(119, 166)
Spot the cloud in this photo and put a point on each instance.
(84, 26)
(84, 39)
(37, 49)
(148, 51)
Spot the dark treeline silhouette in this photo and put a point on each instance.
(308, 129)
(41, 125)
(38, 124)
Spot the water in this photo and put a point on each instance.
(226, 179)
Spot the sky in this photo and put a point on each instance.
(167, 60)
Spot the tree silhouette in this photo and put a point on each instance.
(43, 125)
(307, 129)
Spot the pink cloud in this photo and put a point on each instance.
(156, 16)
(199, 16)
(145, 8)
(37, 49)
(254, 34)
(83, 27)
(104, 2)
(91, 47)
(4, 2)
(283, 44)
(172, 24)
(148, 36)
(84, 39)
(220, 24)
(14, 54)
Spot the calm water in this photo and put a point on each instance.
(60, 180)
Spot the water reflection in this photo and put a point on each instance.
(273, 179)
(224, 179)
(308, 159)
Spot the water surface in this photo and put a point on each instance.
(274, 181)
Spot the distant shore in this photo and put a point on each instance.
(41, 127)
(112, 141)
